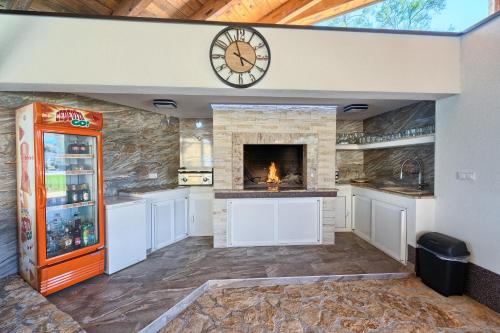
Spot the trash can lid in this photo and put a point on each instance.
(444, 245)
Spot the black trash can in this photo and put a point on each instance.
(441, 263)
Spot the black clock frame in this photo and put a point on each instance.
(234, 85)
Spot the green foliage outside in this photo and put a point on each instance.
(392, 14)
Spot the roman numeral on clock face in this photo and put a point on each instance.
(221, 44)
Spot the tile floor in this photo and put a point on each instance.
(131, 299)
(402, 305)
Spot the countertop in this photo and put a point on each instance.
(151, 189)
(379, 187)
(243, 194)
(117, 201)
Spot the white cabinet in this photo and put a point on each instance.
(382, 224)
(298, 221)
(343, 216)
(340, 213)
(389, 229)
(362, 207)
(201, 211)
(254, 222)
(163, 214)
(180, 218)
(169, 221)
(167, 216)
(125, 233)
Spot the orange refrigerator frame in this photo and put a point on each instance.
(53, 274)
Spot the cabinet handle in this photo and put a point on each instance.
(403, 236)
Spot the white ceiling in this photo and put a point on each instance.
(198, 106)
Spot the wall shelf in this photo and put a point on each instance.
(419, 140)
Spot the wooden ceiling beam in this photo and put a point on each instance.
(131, 7)
(212, 9)
(288, 10)
(19, 4)
(327, 9)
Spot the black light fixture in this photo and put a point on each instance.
(355, 108)
(165, 104)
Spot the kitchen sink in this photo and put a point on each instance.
(406, 190)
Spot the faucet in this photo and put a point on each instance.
(420, 171)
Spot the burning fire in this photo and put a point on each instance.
(272, 175)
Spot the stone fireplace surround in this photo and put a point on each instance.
(236, 125)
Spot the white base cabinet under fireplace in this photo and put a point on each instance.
(284, 221)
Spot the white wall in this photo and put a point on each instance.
(38, 52)
(468, 138)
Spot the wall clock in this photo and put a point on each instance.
(240, 56)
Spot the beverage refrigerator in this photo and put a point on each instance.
(59, 195)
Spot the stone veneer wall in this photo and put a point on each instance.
(135, 143)
(276, 124)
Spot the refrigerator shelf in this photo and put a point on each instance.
(75, 156)
(56, 194)
(70, 172)
(73, 205)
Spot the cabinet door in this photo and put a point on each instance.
(389, 229)
(362, 216)
(252, 222)
(340, 213)
(200, 214)
(125, 236)
(163, 222)
(298, 221)
(180, 220)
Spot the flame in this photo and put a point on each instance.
(272, 175)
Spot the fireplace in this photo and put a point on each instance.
(274, 167)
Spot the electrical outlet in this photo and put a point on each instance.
(466, 175)
(152, 175)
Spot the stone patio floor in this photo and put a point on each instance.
(22, 309)
(402, 305)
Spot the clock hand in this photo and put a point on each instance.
(242, 58)
(239, 53)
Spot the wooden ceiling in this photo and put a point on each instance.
(298, 12)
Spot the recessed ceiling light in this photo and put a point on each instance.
(355, 108)
(165, 104)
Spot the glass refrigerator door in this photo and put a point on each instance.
(70, 163)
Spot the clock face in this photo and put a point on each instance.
(240, 56)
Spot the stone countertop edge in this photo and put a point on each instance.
(115, 201)
(149, 189)
(249, 194)
(377, 188)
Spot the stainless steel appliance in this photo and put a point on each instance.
(203, 177)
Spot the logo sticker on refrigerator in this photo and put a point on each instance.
(74, 117)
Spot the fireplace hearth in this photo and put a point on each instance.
(274, 167)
